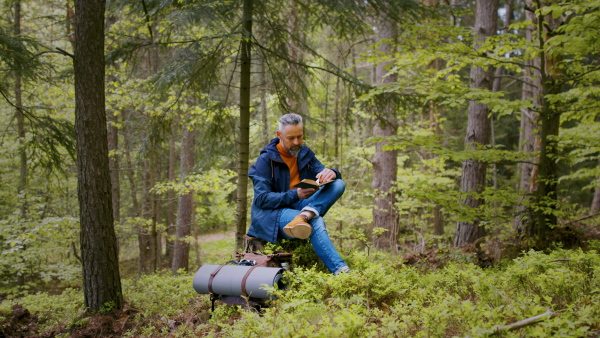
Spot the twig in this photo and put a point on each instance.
(75, 251)
(582, 218)
(421, 246)
(525, 322)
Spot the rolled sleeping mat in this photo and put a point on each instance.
(236, 280)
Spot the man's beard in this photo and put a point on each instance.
(294, 152)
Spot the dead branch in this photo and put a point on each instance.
(582, 218)
(525, 322)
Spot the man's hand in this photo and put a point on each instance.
(305, 193)
(326, 175)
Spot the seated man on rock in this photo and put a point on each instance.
(280, 210)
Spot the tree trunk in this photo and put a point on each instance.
(263, 102)
(147, 235)
(113, 164)
(297, 97)
(244, 140)
(431, 114)
(596, 201)
(545, 179)
(185, 210)
(527, 136)
(22, 185)
(144, 238)
(438, 221)
(478, 127)
(385, 164)
(171, 219)
(101, 278)
(21, 134)
(135, 205)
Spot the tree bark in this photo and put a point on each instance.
(147, 234)
(527, 137)
(130, 173)
(478, 127)
(171, 218)
(143, 229)
(385, 164)
(263, 102)
(113, 164)
(297, 95)
(21, 132)
(596, 201)
(185, 209)
(101, 277)
(547, 176)
(244, 140)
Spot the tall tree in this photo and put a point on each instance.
(171, 217)
(20, 117)
(478, 126)
(385, 162)
(185, 209)
(297, 98)
(244, 138)
(595, 207)
(546, 181)
(527, 134)
(113, 147)
(101, 277)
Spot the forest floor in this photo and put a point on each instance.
(164, 305)
(23, 323)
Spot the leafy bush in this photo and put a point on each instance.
(381, 297)
(52, 311)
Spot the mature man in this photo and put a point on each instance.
(281, 210)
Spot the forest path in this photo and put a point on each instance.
(216, 237)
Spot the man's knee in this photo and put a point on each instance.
(338, 185)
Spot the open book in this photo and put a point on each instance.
(306, 183)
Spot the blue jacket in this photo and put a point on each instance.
(271, 179)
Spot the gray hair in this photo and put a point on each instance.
(290, 119)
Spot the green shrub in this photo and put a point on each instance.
(380, 298)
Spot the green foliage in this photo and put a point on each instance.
(23, 245)
(460, 299)
(380, 297)
(53, 311)
(159, 294)
(191, 82)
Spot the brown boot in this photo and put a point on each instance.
(298, 228)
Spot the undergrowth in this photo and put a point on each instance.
(379, 298)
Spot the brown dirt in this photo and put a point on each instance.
(20, 324)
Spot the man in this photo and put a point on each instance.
(279, 209)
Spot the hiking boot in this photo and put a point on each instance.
(298, 228)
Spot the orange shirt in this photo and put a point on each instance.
(292, 163)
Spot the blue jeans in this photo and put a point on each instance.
(319, 204)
